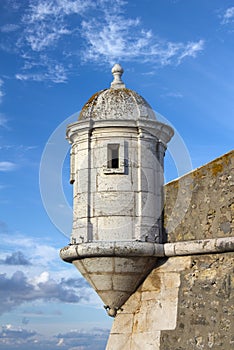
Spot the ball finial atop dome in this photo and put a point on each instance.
(117, 72)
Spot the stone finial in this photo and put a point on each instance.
(117, 72)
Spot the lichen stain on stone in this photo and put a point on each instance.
(135, 326)
(90, 103)
(153, 282)
(216, 168)
(116, 104)
(198, 174)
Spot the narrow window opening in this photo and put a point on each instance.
(113, 155)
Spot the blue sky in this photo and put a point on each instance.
(55, 54)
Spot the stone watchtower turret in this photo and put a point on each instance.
(117, 157)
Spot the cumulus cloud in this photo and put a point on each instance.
(40, 254)
(9, 331)
(56, 33)
(12, 337)
(75, 340)
(16, 258)
(18, 289)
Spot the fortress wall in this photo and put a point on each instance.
(200, 205)
(205, 305)
(186, 302)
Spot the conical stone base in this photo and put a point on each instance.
(115, 278)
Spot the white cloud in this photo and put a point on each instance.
(49, 71)
(7, 166)
(43, 9)
(45, 21)
(10, 335)
(43, 37)
(43, 272)
(39, 254)
(42, 278)
(8, 28)
(117, 38)
(112, 40)
(228, 16)
(17, 332)
(49, 33)
(172, 94)
(14, 4)
(19, 289)
(16, 258)
(191, 49)
(3, 120)
(1, 92)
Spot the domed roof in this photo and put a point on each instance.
(117, 102)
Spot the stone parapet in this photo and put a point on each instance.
(200, 204)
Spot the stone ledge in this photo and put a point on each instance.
(204, 246)
(143, 249)
(115, 248)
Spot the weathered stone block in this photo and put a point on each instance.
(119, 342)
(95, 265)
(111, 228)
(132, 265)
(114, 203)
(125, 283)
(102, 281)
(124, 324)
(121, 183)
(150, 341)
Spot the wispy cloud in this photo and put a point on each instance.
(56, 73)
(51, 27)
(1, 91)
(45, 21)
(7, 166)
(117, 38)
(172, 94)
(228, 16)
(39, 67)
(191, 49)
(3, 120)
(14, 4)
(8, 28)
